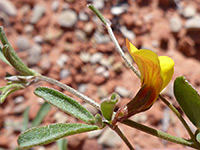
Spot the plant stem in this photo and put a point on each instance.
(121, 134)
(176, 112)
(112, 36)
(159, 134)
(69, 89)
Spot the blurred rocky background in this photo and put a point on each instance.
(64, 40)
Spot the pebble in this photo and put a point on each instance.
(100, 70)
(94, 134)
(82, 88)
(52, 34)
(55, 5)
(98, 4)
(107, 62)
(109, 138)
(122, 91)
(127, 33)
(60, 117)
(8, 7)
(28, 28)
(62, 60)
(85, 57)
(67, 19)
(83, 16)
(38, 12)
(193, 23)
(34, 54)
(25, 9)
(19, 99)
(117, 67)
(90, 108)
(38, 39)
(45, 62)
(102, 92)
(166, 119)
(88, 28)
(175, 24)
(118, 10)
(142, 117)
(96, 58)
(64, 73)
(80, 35)
(189, 11)
(101, 38)
(23, 43)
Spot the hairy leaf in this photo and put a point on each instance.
(47, 134)
(189, 100)
(65, 103)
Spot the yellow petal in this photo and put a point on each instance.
(167, 69)
(131, 47)
(149, 66)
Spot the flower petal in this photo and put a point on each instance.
(167, 69)
(149, 66)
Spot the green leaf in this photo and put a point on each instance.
(198, 137)
(16, 62)
(2, 57)
(12, 57)
(47, 134)
(26, 118)
(108, 106)
(65, 103)
(62, 144)
(7, 90)
(44, 109)
(189, 100)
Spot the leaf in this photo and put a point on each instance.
(2, 57)
(12, 57)
(189, 100)
(107, 106)
(16, 62)
(198, 137)
(62, 144)
(65, 103)
(25, 118)
(47, 134)
(44, 109)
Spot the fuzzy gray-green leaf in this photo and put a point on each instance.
(47, 134)
(44, 109)
(65, 103)
(189, 100)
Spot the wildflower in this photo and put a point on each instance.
(156, 73)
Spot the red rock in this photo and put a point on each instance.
(97, 79)
(91, 144)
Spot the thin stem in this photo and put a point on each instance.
(69, 89)
(112, 36)
(121, 134)
(176, 112)
(159, 134)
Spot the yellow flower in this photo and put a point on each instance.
(156, 73)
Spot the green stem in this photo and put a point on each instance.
(176, 112)
(112, 36)
(121, 134)
(69, 89)
(159, 134)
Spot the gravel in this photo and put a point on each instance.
(67, 18)
(22, 43)
(38, 12)
(8, 7)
